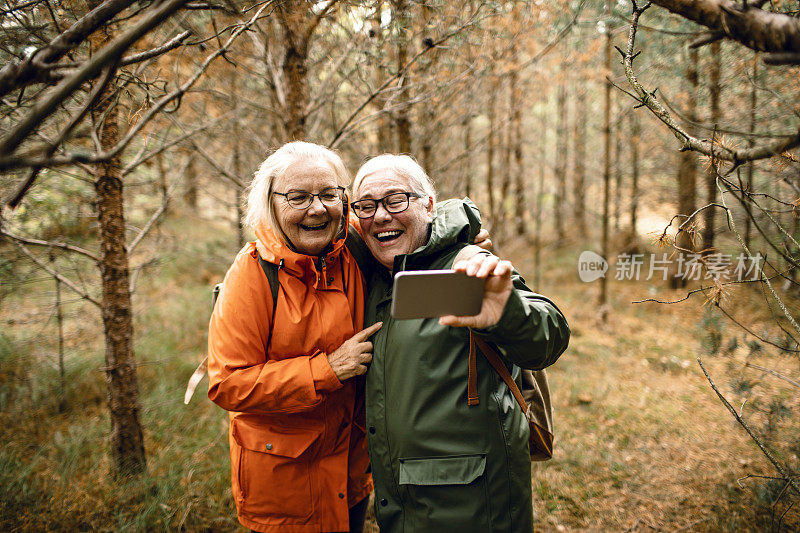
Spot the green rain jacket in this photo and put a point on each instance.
(438, 464)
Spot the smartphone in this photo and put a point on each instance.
(435, 293)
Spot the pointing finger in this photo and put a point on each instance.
(366, 332)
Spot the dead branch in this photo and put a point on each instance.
(50, 244)
(776, 374)
(749, 431)
(142, 157)
(91, 68)
(745, 23)
(22, 190)
(334, 142)
(173, 43)
(12, 161)
(155, 217)
(778, 300)
(689, 142)
(41, 264)
(754, 334)
(18, 74)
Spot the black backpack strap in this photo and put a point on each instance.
(271, 271)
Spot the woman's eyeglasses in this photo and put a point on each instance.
(303, 199)
(396, 202)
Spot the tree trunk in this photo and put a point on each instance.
(537, 213)
(127, 443)
(505, 184)
(616, 166)
(579, 157)
(491, 139)
(294, 19)
(561, 159)
(519, 167)
(606, 174)
(429, 121)
(401, 14)
(687, 168)
(751, 142)
(636, 139)
(190, 179)
(467, 168)
(384, 135)
(711, 171)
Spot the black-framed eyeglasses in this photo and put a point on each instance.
(397, 202)
(303, 199)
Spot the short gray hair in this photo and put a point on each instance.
(258, 208)
(402, 165)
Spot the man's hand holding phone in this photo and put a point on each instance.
(497, 274)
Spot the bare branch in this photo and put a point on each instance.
(747, 24)
(49, 244)
(18, 74)
(91, 68)
(173, 43)
(713, 149)
(96, 91)
(399, 74)
(739, 419)
(11, 162)
(156, 216)
(41, 264)
(776, 374)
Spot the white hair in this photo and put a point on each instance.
(404, 166)
(258, 207)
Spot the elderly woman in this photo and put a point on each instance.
(440, 464)
(287, 369)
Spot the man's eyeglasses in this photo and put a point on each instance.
(302, 199)
(396, 202)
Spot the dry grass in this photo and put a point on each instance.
(642, 441)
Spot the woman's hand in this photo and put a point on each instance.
(350, 359)
(495, 295)
(482, 239)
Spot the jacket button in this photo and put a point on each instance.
(269, 446)
(372, 430)
(330, 280)
(341, 495)
(384, 503)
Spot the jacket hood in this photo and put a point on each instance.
(454, 221)
(273, 249)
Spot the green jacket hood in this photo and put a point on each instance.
(454, 221)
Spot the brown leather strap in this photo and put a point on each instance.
(472, 376)
(498, 365)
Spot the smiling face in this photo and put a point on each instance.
(312, 229)
(391, 234)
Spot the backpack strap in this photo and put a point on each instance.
(499, 367)
(271, 271)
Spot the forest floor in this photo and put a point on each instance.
(642, 441)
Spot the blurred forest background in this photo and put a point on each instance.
(129, 129)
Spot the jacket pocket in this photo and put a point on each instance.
(274, 469)
(446, 493)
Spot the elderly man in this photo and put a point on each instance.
(438, 463)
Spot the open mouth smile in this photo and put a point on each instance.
(386, 237)
(317, 227)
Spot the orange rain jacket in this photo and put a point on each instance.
(298, 448)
